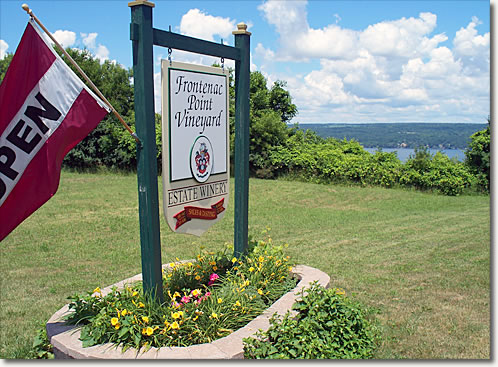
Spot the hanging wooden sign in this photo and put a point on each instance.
(195, 140)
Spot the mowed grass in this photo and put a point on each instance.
(420, 261)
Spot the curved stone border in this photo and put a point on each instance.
(66, 343)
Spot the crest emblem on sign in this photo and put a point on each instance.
(201, 159)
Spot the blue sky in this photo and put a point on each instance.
(343, 61)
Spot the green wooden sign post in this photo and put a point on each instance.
(144, 37)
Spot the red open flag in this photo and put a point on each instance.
(45, 110)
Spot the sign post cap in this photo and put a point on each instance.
(141, 2)
(241, 29)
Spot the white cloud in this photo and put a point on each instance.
(100, 51)
(65, 38)
(394, 70)
(89, 39)
(267, 54)
(196, 23)
(473, 49)
(3, 48)
(468, 43)
(401, 38)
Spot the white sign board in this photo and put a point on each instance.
(195, 140)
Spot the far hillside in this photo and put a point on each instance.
(400, 135)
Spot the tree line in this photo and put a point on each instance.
(402, 135)
(276, 150)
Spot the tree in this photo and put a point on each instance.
(4, 65)
(477, 155)
(270, 110)
(280, 100)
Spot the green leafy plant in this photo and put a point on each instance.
(205, 299)
(478, 155)
(42, 349)
(328, 325)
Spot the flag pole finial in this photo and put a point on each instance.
(27, 9)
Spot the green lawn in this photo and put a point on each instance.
(422, 261)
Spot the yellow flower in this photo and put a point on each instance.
(117, 326)
(175, 325)
(197, 277)
(176, 295)
(124, 312)
(260, 292)
(149, 331)
(251, 269)
(172, 265)
(214, 315)
(220, 300)
(196, 292)
(190, 264)
(234, 260)
(340, 291)
(114, 321)
(215, 268)
(141, 305)
(175, 315)
(145, 319)
(97, 290)
(261, 259)
(134, 294)
(237, 304)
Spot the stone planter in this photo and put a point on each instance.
(66, 343)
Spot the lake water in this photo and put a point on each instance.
(404, 153)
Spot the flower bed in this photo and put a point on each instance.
(204, 300)
(66, 341)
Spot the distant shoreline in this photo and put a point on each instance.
(433, 135)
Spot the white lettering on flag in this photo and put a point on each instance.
(57, 88)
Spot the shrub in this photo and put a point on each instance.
(478, 156)
(438, 173)
(328, 325)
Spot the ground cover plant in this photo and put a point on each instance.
(205, 299)
(328, 325)
(421, 261)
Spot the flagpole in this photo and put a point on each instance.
(95, 89)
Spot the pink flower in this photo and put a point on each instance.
(212, 278)
(185, 299)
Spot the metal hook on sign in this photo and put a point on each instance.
(222, 60)
(169, 55)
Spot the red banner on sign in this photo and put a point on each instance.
(190, 212)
